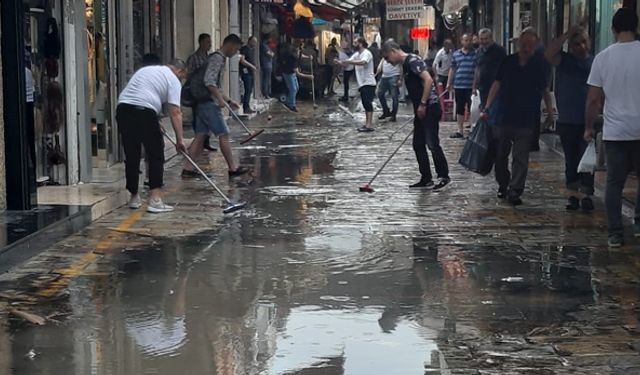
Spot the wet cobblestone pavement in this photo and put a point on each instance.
(315, 277)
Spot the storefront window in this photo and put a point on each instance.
(45, 91)
(604, 14)
(99, 90)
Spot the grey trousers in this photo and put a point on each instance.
(515, 142)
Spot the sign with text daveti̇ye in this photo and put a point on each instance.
(398, 10)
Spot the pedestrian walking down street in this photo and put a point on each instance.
(290, 66)
(390, 82)
(442, 63)
(488, 59)
(266, 66)
(615, 81)
(362, 59)
(572, 72)
(198, 60)
(517, 93)
(247, 72)
(209, 118)
(347, 71)
(461, 75)
(331, 53)
(427, 111)
(139, 106)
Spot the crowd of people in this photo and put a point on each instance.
(511, 89)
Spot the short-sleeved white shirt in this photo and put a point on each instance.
(364, 73)
(390, 70)
(152, 86)
(617, 71)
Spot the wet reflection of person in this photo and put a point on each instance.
(427, 115)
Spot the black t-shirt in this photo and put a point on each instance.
(288, 62)
(249, 56)
(521, 90)
(488, 62)
(412, 67)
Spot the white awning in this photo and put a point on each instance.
(454, 6)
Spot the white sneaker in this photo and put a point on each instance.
(135, 202)
(158, 207)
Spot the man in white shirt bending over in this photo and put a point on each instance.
(615, 81)
(139, 105)
(362, 59)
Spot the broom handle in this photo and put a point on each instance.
(195, 165)
(235, 116)
(391, 157)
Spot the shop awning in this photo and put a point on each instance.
(343, 5)
(328, 13)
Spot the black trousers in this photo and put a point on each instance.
(139, 126)
(346, 77)
(426, 135)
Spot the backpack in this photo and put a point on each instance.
(194, 90)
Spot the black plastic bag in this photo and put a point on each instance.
(478, 154)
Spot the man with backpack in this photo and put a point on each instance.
(195, 62)
(206, 90)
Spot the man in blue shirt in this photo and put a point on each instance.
(572, 72)
(461, 76)
(517, 92)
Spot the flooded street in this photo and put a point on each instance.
(315, 277)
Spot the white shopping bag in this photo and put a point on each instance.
(474, 111)
(589, 159)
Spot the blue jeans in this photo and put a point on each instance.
(266, 81)
(573, 146)
(622, 157)
(388, 84)
(247, 80)
(291, 80)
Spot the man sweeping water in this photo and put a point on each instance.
(427, 112)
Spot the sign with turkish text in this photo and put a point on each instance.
(399, 10)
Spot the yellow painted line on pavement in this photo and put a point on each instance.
(75, 269)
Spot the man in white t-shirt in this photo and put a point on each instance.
(615, 81)
(139, 106)
(390, 81)
(362, 59)
(442, 62)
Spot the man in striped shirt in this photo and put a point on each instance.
(461, 77)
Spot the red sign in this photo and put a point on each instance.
(420, 32)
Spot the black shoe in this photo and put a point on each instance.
(248, 111)
(189, 174)
(502, 193)
(442, 183)
(210, 148)
(456, 135)
(515, 200)
(365, 129)
(344, 99)
(574, 204)
(290, 109)
(423, 184)
(393, 118)
(384, 116)
(146, 183)
(587, 204)
(238, 172)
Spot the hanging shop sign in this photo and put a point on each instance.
(454, 6)
(399, 10)
(420, 32)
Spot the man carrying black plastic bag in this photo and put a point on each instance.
(478, 154)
